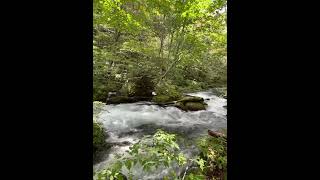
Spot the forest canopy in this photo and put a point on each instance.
(166, 45)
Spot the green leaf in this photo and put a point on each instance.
(128, 164)
(201, 163)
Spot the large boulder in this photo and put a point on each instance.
(195, 106)
(181, 106)
(191, 99)
(191, 103)
(191, 106)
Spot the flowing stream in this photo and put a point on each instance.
(127, 123)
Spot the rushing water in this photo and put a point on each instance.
(127, 123)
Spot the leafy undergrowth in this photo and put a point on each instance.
(99, 134)
(99, 137)
(213, 157)
(162, 150)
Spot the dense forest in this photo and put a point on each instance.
(157, 51)
(177, 45)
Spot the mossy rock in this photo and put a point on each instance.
(191, 103)
(181, 106)
(161, 99)
(191, 106)
(191, 99)
(195, 106)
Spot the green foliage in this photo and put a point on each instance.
(161, 150)
(221, 92)
(143, 84)
(161, 99)
(97, 107)
(99, 134)
(193, 176)
(213, 157)
(181, 42)
(212, 161)
(98, 137)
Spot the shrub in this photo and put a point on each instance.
(213, 157)
(161, 150)
(99, 134)
(99, 137)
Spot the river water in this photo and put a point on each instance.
(127, 123)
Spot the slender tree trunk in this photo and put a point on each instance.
(170, 45)
(180, 39)
(117, 36)
(177, 53)
(172, 64)
(162, 36)
(175, 61)
(161, 47)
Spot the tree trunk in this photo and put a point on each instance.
(164, 75)
(170, 45)
(161, 46)
(182, 37)
(117, 36)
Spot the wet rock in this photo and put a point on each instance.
(181, 106)
(191, 99)
(191, 103)
(216, 134)
(191, 106)
(195, 106)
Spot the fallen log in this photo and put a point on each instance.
(158, 104)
